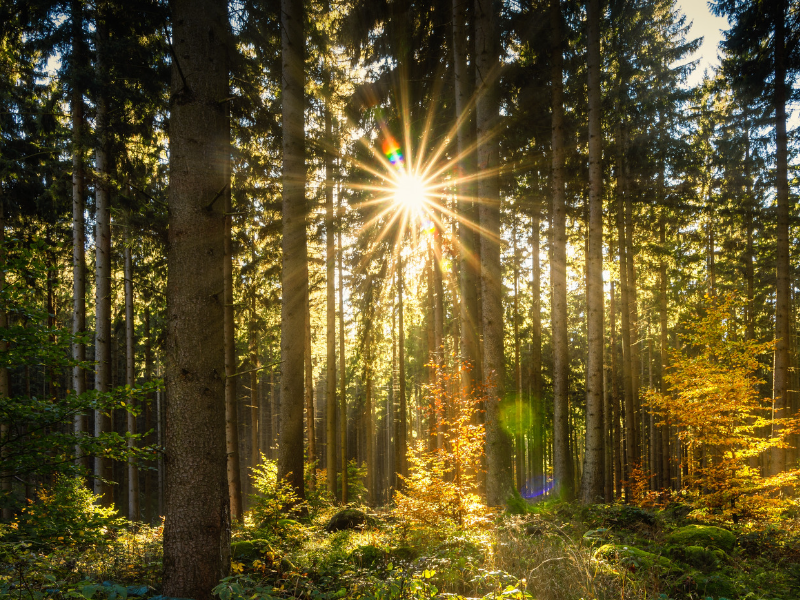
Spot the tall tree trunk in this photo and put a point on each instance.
(783, 326)
(130, 378)
(295, 260)
(233, 465)
(615, 407)
(625, 313)
(562, 467)
(6, 487)
(402, 421)
(593, 478)
(499, 484)
(150, 423)
(469, 267)
(536, 361)
(102, 421)
(197, 525)
(330, 310)
(255, 423)
(81, 422)
(638, 445)
(311, 430)
(342, 367)
(519, 440)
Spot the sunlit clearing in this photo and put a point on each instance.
(410, 193)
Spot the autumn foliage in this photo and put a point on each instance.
(443, 482)
(713, 401)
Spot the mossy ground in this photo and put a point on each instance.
(554, 551)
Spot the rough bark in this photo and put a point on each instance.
(615, 406)
(593, 478)
(130, 378)
(197, 510)
(342, 369)
(499, 483)
(233, 464)
(330, 311)
(311, 429)
(519, 440)
(81, 421)
(255, 423)
(783, 330)
(102, 348)
(402, 421)
(469, 266)
(537, 441)
(295, 261)
(562, 466)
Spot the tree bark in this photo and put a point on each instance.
(519, 440)
(130, 378)
(330, 310)
(197, 525)
(562, 466)
(311, 430)
(342, 367)
(593, 478)
(499, 484)
(469, 266)
(402, 421)
(255, 423)
(536, 362)
(233, 467)
(783, 329)
(102, 421)
(294, 280)
(5, 478)
(81, 422)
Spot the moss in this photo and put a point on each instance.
(243, 550)
(706, 536)
(404, 553)
(632, 557)
(367, 556)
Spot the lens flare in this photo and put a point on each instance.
(392, 151)
(410, 193)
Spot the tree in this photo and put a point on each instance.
(197, 527)
(593, 477)
(294, 273)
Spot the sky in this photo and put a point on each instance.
(708, 26)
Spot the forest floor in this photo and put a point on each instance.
(551, 551)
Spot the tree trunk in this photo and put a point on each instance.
(295, 262)
(499, 484)
(102, 421)
(638, 446)
(469, 268)
(81, 422)
(402, 421)
(197, 525)
(255, 423)
(536, 362)
(783, 328)
(231, 405)
(519, 440)
(311, 430)
(330, 308)
(130, 378)
(615, 407)
(342, 367)
(593, 477)
(5, 478)
(562, 468)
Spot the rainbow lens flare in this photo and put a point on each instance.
(392, 151)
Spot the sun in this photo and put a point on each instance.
(410, 192)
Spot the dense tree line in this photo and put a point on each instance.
(217, 196)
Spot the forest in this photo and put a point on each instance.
(398, 300)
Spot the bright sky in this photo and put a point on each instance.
(707, 26)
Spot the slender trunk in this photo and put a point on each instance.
(469, 267)
(370, 429)
(783, 329)
(663, 343)
(6, 487)
(402, 421)
(197, 509)
(294, 280)
(593, 477)
(130, 379)
(151, 475)
(519, 450)
(311, 430)
(342, 370)
(536, 361)
(499, 484)
(255, 422)
(438, 323)
(231, 404)
(562, 468)
(102, 420)
(330, 311)
(638, 446)
(81, 422)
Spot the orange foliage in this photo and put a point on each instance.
(442, 483)
(713, 400)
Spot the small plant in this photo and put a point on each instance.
(442, 483)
